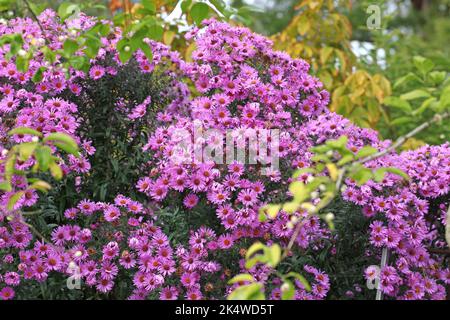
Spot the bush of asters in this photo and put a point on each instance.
(191, 223)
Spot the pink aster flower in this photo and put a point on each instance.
(7, 293)
(97, 72)
(190, 201)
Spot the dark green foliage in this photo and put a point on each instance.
(119, 159)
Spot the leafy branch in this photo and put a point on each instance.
(332, 163)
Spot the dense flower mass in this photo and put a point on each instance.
(123, 247)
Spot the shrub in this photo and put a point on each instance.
(182, 231)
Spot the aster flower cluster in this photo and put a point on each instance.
(236, 94)
(62, 100)
(240, 84)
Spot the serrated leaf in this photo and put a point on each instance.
(43, 157)
(251, 291)
(242, 277)
(62, 138)
(13, 200)
(55, 170)
(25, 130)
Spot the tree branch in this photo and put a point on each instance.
(401, 140)
(35, 17)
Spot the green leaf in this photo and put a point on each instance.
(299, 191)
(415, 94)
(43, 156)
(5, 186)
(55, 170)
(271, 210)
(365, 152)
(199, 12)
(346, 159)
(405, 79)
(398, 103)
(24, 130)
(70, 47)
(39, 75)
(185, 5)
(70, 149)
(241, 278)
(300, 278)
(147, 51)
(339, 143)
(10, 166)
(401, 120)
(444, 101)
(149, 5)
(93, 45)
(423, 65)
(13, 200)
(49, 54)
(67, 9)
(438, 77)
(61, 137)
(361, 175)
(23, 63)
(291, 206)
(425, 105)
(26, 149)
(287, 290)
(155, 32)
(41, 186)
(257, 246)
(274, 254)
(251, 291)
(124, 54)
(79, 63)
(397, 172)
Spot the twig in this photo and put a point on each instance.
(35, 231)
(401, 140)
(35, 17)
(439, 251)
